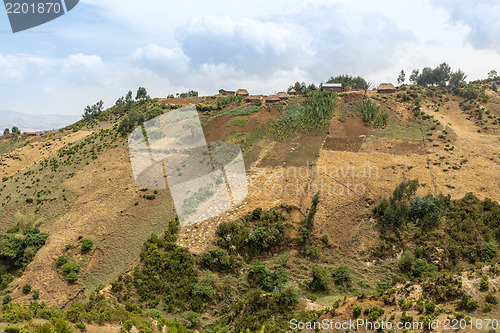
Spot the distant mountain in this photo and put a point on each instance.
(34, 122)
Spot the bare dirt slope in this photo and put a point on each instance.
(105, 212)
(36, 150)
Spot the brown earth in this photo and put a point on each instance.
(105, 212)
(35, 151)
(350, 183)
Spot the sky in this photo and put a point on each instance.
(102, 49)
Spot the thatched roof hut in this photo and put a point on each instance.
(223, 92)
(242, 92)
(292, 92)
(386, 88)
(282, 95)
(272, 99)
(253, 98)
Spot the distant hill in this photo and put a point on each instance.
(32, 122)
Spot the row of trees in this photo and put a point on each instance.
(441, 76)
(350, 81)
(14, 130)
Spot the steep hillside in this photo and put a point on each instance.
(320, 256)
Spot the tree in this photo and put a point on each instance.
(457, 79)
(414, 76)
(142, 94)
(426, 78)
(87, 244)
(6, 131)
(92, 112)
(15, 130)
(441, 74)
(401, 77)
(492, 74)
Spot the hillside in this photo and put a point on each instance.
(319, 257)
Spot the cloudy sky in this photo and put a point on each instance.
(102, 49)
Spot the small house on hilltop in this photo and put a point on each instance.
(223, 92)
(252, 99)
(334, 87)
(30, 133)
(282, 95)
(386, 88)
(272, 99)
(292, 92)
(242, 92)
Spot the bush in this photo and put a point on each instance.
(491, 299)
(61, 260)
(72, 277)
(312, 251)
(489, 251)
(6, 299)
(268, 280)
(321, 279)
(81, 326)
(494, 87)
(356, 311)
(12, 329)
(487, 307)
(217, 259)
(341, 275)
(325, 239)
(256, 214)
(87, 244)
(36, 294)
(467, 303)
(484, 285)
(26, 289)
(71, 270)
(430, 308)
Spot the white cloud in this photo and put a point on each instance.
(482, 17)
(118, 45)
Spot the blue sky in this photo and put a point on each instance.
(102, 49)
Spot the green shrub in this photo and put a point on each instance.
(420, 306)
(341, 275)
(81, 326)
(217, 259)
(430, 308)
(72, 277)
(6, 299)
(256, 214)
(321, 278)
(149, 196)
(36, 294)
(487, 307)
(484, 285)
(268, 280)
(491, 299)
(12, 329)
(356, 311)
(87, 244)
(71, 270)
(324, 238)
(489, 251)
(312, 251)
(61, 260)
(26, 289)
